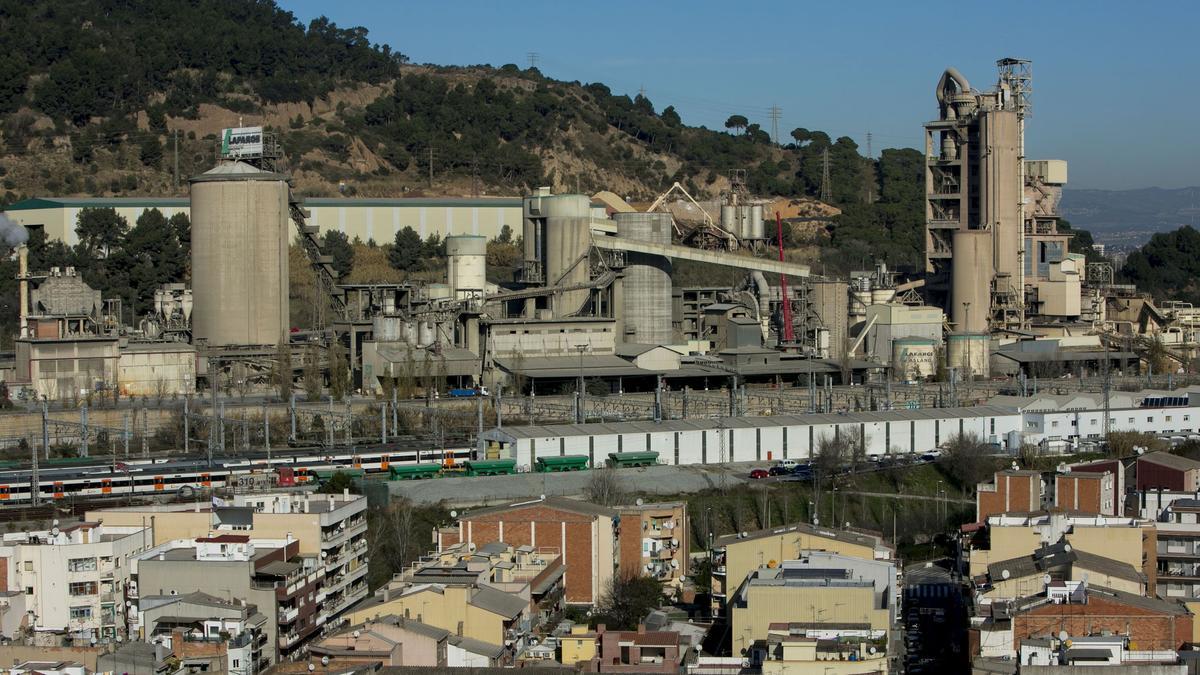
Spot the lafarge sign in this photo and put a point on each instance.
(242, 142)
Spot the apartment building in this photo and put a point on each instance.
(586, 534)
(393, 641)
(283, 585)
(331, 527)
(735, 556)
(1164, 471)
(1011, 490)
(654, 541)
(69, 582)
(1028, 574)
(207, 633)
(820, 594)
(494, 594)
(1005, 537)
(1091, 487)
(622, 651)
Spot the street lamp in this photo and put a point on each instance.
(579, 390)
(967, 327)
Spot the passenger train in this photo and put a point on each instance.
(164, 476)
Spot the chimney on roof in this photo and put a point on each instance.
(641, 628)
(346, 493)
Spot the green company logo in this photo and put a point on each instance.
(225, 141)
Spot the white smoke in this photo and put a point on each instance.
(12, 234)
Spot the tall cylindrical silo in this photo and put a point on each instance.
(758, 229)
(971, 280)
(239, 256)
(647, 283)
(466, 265)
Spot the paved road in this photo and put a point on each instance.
(924, 498)
(934, 621)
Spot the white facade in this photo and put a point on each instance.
(751, 439)
(1068, 427)
(74, 580)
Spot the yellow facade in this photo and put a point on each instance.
(447, 608)
(801, 657)
(580, 645)
(767, 604)
(1123, 544)
(743, 556)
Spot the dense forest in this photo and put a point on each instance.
(1167, 266)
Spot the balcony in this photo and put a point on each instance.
(288, 614)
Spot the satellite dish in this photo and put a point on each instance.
(55, 522)
(357, 634)
(1067, 548)
(640, 501)
(1046, 579)
(54, 531)
(454, 514)
(1015, 466)
(871, 650)
(1062, 636)
(542, 497)
(325, 660)
(1005, 574)
(744, 535)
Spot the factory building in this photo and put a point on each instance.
(366, 219)
(751, 439)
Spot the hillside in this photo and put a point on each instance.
(98, 95)
(1153, 209)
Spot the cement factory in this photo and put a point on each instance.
(593, 299)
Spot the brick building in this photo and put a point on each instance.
(1148, 623)
(1092, 487)
(653, 541)
(1164, 471)
(1011, 491)
(640, 651)
(585, 533)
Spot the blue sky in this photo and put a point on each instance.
(1115, 83)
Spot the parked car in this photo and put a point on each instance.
(757, 474)
(788, 464)
(802, 472)
(779, 470)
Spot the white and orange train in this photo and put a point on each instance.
(108, 478)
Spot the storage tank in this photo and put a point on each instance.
(538, 209)
(729, 218)
(387, 328)
(757, 227)
(647, 283)
(239, 255)
(971, 280)
(425, 333)
(831, 302)
(466, 265)
(860, 298)
(969, 352)
(882, 296)
(914, 358)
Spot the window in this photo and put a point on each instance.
(81, 612)
(1054, 424)
(82, 588)
(81, 565)
(1168, 418)
(236, 662)
(29, 590)
(28, 565)
(1150, 420)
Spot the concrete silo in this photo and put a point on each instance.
(646, 288)
(239, 256)
(466, 265)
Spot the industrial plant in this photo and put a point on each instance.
(593, 302)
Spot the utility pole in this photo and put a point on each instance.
(826, 187)
(532, 58)
(35, 487)
(869, 155)
(776, 113)
(176, 135)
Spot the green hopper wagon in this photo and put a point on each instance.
(413, 471)
(490, 467)
(563, 463)
(624, 459)
(325, 475)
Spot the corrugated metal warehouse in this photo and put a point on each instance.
(749, 439)
(378, 219)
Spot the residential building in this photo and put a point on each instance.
(48, 668)
(281, 584)
(73, 578)
(1113, 652)
(787, 650)
(1128, 540)
(390, 641)
(821, 595)
(331, 527)
(616, 651)
(654, 540)
(207, 633)
(1178, 550)
(1081, 610)
(586, 534)
(1028, 575)
(1011, 490)
(1164, 471)
(1091, 487)
(494, 594)
(735, 556)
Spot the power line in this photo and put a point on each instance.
(533, 58)
(776, 113)
(826, 186)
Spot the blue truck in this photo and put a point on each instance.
(468, 393)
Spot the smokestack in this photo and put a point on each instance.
(23, 275)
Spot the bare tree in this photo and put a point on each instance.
(968, 460)
(281, 370)
(160, 391)
(312, 373)
(604, 488)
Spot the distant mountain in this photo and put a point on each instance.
(1145, 209)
